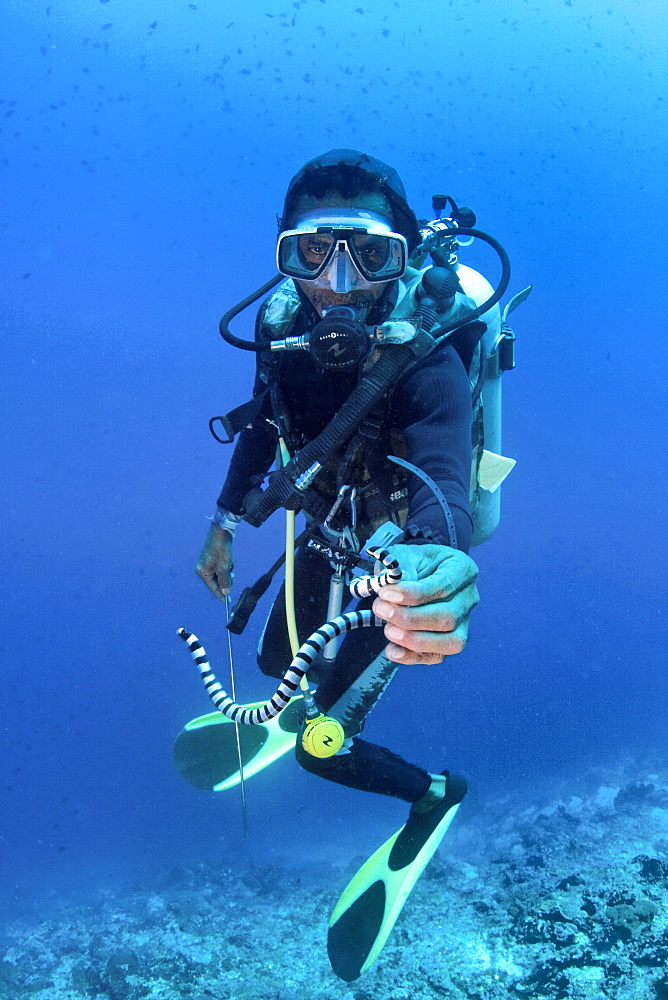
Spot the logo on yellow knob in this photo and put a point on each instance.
(323, 737)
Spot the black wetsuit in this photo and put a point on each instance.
(431, 406)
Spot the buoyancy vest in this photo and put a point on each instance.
(481, 359)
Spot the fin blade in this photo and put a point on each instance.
(362, 878)
(369, 906)
(403, 888)
(351, 941)
(206, 755)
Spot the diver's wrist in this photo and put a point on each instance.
(226, 520)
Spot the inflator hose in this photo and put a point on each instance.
(444, 331)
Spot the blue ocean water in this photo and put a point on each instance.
(146, 148)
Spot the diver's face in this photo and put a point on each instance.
(361, 299)
(361, 295)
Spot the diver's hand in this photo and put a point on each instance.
(428, 610)
(216, 563)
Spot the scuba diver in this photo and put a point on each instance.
(371, 372)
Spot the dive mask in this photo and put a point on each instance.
(343, 249)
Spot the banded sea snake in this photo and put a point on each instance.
(363, 586)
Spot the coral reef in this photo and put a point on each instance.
(563, 903)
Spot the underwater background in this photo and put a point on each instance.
(145, 150)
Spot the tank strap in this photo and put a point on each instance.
(466, 339)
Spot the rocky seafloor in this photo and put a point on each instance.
(565, 901)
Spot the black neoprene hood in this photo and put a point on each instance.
(350, 172)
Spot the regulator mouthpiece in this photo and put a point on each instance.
(337, 342)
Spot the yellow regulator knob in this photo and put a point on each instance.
(322, 737)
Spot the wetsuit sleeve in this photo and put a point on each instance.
(432, 406)
(255, 449)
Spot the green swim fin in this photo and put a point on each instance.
(365, 914)
(206, 754)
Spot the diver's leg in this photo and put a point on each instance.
(369, 768)
(348, 692)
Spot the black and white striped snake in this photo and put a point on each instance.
(362, 586)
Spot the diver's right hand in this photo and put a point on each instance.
(216, 563)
